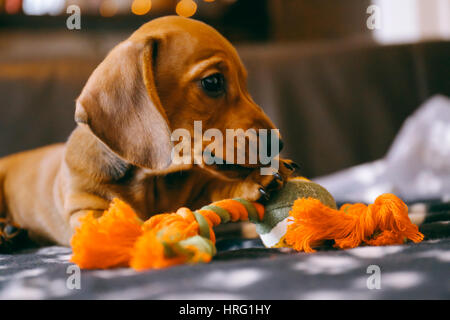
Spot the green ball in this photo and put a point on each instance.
(274, 225)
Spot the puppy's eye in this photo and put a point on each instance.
(214, 85)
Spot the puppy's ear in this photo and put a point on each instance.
(121, 106)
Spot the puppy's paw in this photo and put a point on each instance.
(12, 237)
(258, 186)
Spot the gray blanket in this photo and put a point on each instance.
(243, 269)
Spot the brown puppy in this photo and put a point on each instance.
(169, 73)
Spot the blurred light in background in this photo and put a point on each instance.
(42, 7)
(13, 6)
(413, 20)
(105, 8)
(108, 8)
(186, 8)
(141, 7)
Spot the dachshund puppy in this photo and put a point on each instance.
(170, 72)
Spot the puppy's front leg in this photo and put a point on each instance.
(76, 216)
(80, 204)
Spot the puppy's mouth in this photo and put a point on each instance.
(242, 155)
(230, 169)
(237, 159)
(212, 158)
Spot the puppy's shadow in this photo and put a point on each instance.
(238, 248)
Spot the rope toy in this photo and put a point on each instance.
(120, 239)
(300, 216)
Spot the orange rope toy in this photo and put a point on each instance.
(385, 222)
(120, 239)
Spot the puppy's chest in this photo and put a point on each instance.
(158, 194)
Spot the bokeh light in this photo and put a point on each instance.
(141, 7)
(186, 8)
(13, 6)
(43, 7)
(105, 8)
(108, 8)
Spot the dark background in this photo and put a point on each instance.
(336, 93)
